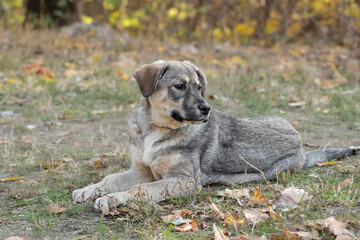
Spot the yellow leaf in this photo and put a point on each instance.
(172, 13)
(271, 26)
(87, 19)
(328, 163)
(245, 29)
(11, 179)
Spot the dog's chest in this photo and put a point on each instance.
(152, 144)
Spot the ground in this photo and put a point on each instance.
(65, 101)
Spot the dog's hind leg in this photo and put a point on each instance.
(289, 162)
(325, 155)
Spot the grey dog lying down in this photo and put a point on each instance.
(178, 143)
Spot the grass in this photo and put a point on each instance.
(93, 91)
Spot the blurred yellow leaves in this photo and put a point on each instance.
(87, 19)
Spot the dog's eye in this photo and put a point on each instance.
(180, 86)
(199, 87)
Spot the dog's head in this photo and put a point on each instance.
(175, 91)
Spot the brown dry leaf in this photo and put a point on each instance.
(217, 211)
(329, 84)
(345, 237)
(55, 208)
(16, 238)
(63, 117)
(235, 193)
(311, 145)
(328, 163)
(255, 215)
(350, 167)
(189, 226)
(297, 194)
(54, 165)
(63, 133)
(30, 68)
(176, 216)
(219, 234)
(346, 183)
(11, 179)
(258, 199)
(233, 221)
(335, 226)
(285, 204)
(33, 182)
(299, 235)
(272, 213)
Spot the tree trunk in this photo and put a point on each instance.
(50, 12)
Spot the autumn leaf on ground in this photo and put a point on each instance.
(189, 226)
(233, 221)
(16, 238)
(63, 133)
(346, 183)
(335, 227)
(38, 70)
(285, 204)
(258, 199)
(328, 163)
(219, 234)
(53, 165)
(176, 216)
(218, 212)
(235, 193)
(255, 215)
(11, 179)
(55, 208)
(299, 235)
(272, 213)
(63, 117)
(297, 194)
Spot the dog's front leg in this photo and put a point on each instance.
(151, 192)
(111, 184)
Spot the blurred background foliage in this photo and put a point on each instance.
(234, 21)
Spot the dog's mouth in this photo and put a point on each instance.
(177, 116)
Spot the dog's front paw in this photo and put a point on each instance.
(111, 201)
(86, 193)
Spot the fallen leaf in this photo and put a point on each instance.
(235, 193)
(63, 133)
(297, 194)
(53, 165)
(11, 179)
(346, 183)
(233, 221)
(285, 204)
(328, 163)
(255, 215)
(335, 226)
(350, 167)
(217, 211)
(63, 117)
(16, 238)
(345, 237)
(272, 213)
(258, 199)
(33, 182)
(219, 234)
(176, 216)
(190, 226)
(55, 208)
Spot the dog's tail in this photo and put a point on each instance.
(329, 154)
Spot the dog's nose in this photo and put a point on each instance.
(204, 108)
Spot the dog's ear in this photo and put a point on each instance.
(148, 76)
(201, 76)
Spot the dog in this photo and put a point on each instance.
(178, 143)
